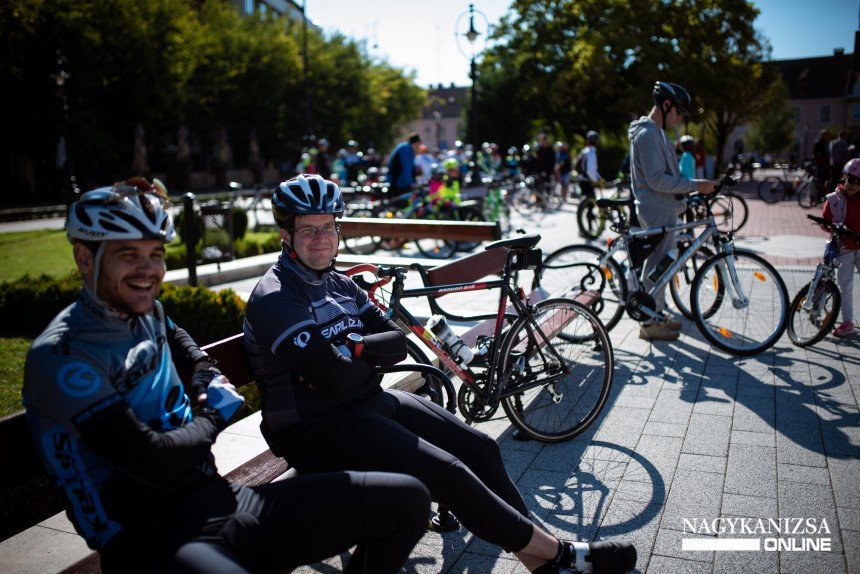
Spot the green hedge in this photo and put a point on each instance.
(28, 305)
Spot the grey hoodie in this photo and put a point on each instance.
(654, 175)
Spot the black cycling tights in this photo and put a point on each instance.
(395, 431)
(301, 520)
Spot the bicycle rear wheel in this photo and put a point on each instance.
(730, 212)
(576, 268)
(590, 218)
(752, 314)
(557, 389)
(772, 189)
(807, 327)
(361, 245)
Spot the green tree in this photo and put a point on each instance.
(773, 130)
(591, 64)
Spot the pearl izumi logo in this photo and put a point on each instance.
(756, 534)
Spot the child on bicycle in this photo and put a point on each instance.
(843, 206)
(448, 191)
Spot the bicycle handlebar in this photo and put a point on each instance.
(837, 228)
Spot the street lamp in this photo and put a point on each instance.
(64, 153)
(474, 47)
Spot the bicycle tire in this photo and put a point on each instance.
(467, 214)
(805, 328)
(575, 267)
(681, 284)
(730, 212)
(806, 193)
(590, 218)
(741, 329)
(773, 189)
(553, 406)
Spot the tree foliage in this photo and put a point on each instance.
(773, 129)
(167, 63)
(575, 65)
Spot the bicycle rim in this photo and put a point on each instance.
(361, 245)
(735, 326)
(771, 190)
(590, 218)
(560, 398)
(574, 268)
(806, 193)
(808, 326)
(682, 282)
(436, 248)
(730, 212)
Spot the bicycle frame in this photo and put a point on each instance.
(509, 292)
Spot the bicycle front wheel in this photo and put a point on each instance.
(806, 193)
(752, 314)
(808, 326)
(772, 189)
(578, 268)
(590, 218)
(558, 374)
(730, 212)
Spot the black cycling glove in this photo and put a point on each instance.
(200, 382)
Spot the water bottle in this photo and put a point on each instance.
(438, 325)
(663, 265)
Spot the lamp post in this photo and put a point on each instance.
(472, 35)
(64, 148)
(309, 136)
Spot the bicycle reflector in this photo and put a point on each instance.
(760, 276)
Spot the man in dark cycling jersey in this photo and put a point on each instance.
(313, 338)
(118, 434)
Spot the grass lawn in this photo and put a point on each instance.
(13, 351)
(35, 252)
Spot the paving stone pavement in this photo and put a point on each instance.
(692, 433)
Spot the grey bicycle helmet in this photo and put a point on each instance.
(306, 194)
(131, 209)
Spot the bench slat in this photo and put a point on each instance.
(469, 268)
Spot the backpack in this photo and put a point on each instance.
(581, 166)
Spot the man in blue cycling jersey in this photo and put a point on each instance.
(130, 447)
(314, 337)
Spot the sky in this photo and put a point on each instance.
(420, 35)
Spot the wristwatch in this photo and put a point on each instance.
(355, 342)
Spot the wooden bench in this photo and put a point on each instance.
(21, 465)
(410, 229)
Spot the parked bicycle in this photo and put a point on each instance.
(737, 299)
(591, 218)
(549, 365)
(802, 184)
(816, 306)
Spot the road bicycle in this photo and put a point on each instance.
(804, 185)
(812, 317)
(591, 218)
(549, 364)
(737, 299)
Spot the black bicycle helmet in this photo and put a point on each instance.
(674, 93)
(591, 137)
(306, 194)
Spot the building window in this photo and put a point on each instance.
(825, 113)
(855, 113)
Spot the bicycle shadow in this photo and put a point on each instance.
(819, 416)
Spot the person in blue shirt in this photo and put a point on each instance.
(687, 161)
(129, 446)
(401, 164)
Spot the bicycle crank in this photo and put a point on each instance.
(471, 409)
(640, 306)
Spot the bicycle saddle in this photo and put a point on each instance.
(519, 242)
(615, 203)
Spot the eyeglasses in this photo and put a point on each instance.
(311, 232)
(852, 179)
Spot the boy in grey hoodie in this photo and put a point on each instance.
(659, 188)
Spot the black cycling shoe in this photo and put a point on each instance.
(606, 557)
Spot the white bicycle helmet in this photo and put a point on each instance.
(305, 194)
(128, 210)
